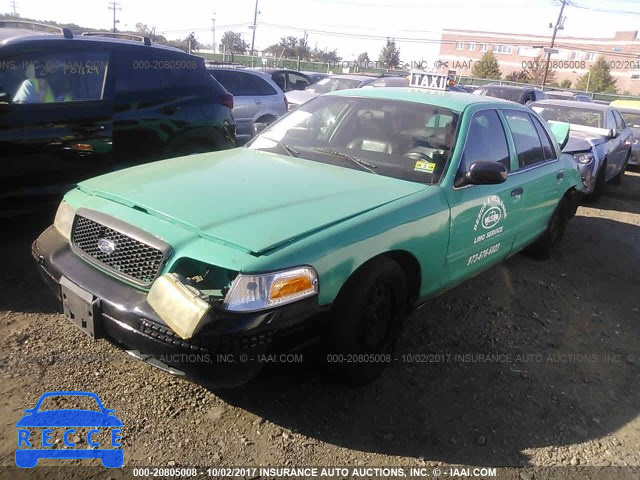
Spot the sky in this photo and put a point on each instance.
(334, 24)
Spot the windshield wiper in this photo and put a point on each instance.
(369, 167)
(289, 149)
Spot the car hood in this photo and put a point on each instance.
(248, 199)
(298, 97)
(69, 418)
(582, 141)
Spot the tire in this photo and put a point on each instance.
(617, 180)
(366, 321)
(599, 187)
(546, 245)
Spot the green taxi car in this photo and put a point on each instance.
(332, 224)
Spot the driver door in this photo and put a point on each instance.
(484, 218)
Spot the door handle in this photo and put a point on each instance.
(517, 191)
(258, 101)
(560, 175)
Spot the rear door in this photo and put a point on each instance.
(538, 171)
(60, 134)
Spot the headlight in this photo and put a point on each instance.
(583, 158)
(258, 292)
(64, 219)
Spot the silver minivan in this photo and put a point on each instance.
(256, 98)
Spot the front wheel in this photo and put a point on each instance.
(366, 321)
(617, 180)
(544, 247)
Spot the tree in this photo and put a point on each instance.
(518, 76)
(144, 30)
(191, 39)
(487, 67)
(598, 79)
(363, 58)
(290, 47)
(232, 42)
(325, 56)
(390, 54)
(535, 71)
(565, 83)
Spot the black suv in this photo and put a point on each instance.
(75, 107)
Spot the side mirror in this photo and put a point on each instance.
(614, 133)
(484, 173)
(258, 127)
(560, 131)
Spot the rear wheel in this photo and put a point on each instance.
(544, 247)
(366, 321)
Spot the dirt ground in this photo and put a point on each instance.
(529, 364)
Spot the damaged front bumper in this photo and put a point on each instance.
(227, 351)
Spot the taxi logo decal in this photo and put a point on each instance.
(491, 218)
(493, 211)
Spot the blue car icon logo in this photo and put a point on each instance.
(97, 423)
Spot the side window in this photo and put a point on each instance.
(610, 122)
(297, 82)
(260, 86)
(486, 140)
(280, 80)
(243, 84)
(525, 136)
(547, 145)
(620, 125)
(139, 71)
(55, 76)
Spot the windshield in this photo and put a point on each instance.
(327, 85)
(505, 93)
(632, 119)
(405, 140)
(576, 116)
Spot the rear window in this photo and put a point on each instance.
(240, 83)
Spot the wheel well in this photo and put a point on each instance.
(411, 267)
(266, 119)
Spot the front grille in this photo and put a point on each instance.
(130, 258)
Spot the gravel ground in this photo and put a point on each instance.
(529, 364)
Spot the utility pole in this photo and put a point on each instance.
(13, 6)
(114, 6)
(213, 29)
(553, 41)
(255, 20)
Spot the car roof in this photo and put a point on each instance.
(456, 101)
(27, 36)
(509, 87)
(574, 104)
(250, 71)
(628, 110)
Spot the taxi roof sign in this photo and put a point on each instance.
(430, 80)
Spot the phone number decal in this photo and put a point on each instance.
(483, 254)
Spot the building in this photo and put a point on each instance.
(461, 48)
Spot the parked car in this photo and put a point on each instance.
(332, 224)
(522, 95)
(632, 118)
(600, 140)
(315, 77)
(75, 107)
(257, 99)
(286, 79)
(334, 83)
(564, 95)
